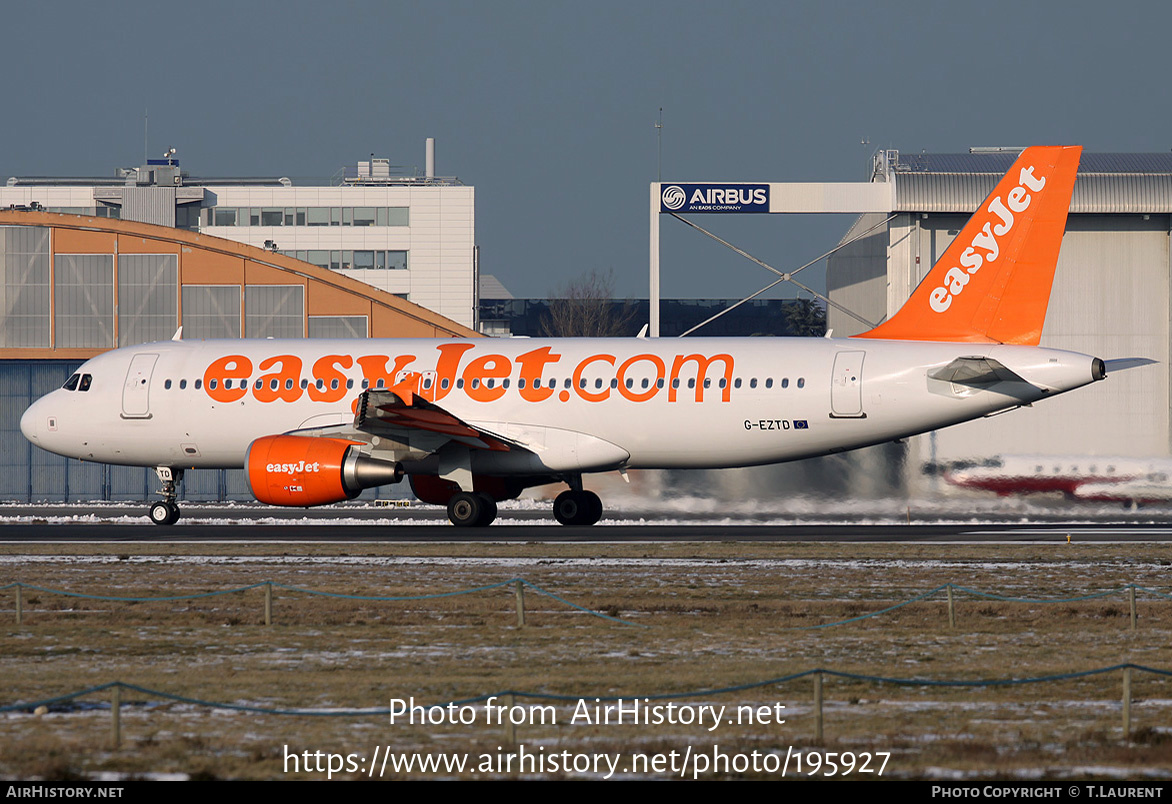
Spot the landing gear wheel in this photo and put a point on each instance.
(164, 513)
(489, 513)
(577, 507)
(593, 507)
(167, 512)
(467, 510)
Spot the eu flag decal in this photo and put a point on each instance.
(801, 424)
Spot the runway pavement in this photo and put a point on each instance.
(256, 524)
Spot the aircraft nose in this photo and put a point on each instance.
(28, 422)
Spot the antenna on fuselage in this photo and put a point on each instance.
(178, 336)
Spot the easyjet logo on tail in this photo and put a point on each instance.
(986, 243)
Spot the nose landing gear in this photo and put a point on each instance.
(166, 512)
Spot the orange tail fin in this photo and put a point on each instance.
(993, 283)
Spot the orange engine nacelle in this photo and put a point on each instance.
(303, 471)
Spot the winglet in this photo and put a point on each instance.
(992, 285)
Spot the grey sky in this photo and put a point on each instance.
(548, 108)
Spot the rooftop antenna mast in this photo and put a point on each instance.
(659, 138)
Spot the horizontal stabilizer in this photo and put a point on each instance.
(1124, 363)
(975, 372)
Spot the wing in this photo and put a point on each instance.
(399, 414)
(400, 421)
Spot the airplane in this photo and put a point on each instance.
(470, 423)
(1082, 478)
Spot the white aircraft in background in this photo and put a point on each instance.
(1085, 478)
(473, 422)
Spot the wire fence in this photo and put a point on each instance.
(509, 697)
(519, 585)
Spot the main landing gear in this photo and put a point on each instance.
(166, 512)
(471, 509)
(576, 505)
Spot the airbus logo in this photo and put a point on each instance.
(715, 198)
(674, 197)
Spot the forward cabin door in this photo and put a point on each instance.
(846, 385)
(136, 403)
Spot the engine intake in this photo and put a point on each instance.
(303, 471)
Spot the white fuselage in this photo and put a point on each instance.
(599, 403)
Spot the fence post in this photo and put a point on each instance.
(520, 603)
(951, 609)
(818, 708)
(1131, 599)
(19, 606)
(116, 716)
(269, 603)
(1126, 704)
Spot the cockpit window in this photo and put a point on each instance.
(71, 383)
(86, 379)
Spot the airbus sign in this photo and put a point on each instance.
(714, 198)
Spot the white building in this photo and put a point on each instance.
(413, 236)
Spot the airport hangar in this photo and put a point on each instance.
(72, 286)
(1110, 296)
(1111, 299)
(409, 235)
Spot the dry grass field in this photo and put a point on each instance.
(713, 616)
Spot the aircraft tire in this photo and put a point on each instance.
(466, 509)
(164, 513)
(577, 508)
(489, 513)
(593, 507)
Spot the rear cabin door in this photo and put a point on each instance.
(846, 385)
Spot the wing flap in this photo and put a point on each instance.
(400, 411)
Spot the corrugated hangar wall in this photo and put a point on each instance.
(1110, 299)
(72, 286)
